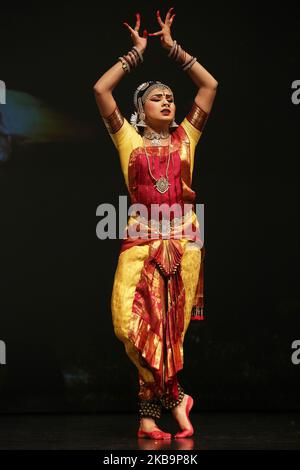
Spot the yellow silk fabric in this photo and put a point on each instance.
(126, 278)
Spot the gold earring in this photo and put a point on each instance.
(142, 120)
(173, 124)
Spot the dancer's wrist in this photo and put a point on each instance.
(132, 59)
(181, 56)
(168, 46)
(140, 49)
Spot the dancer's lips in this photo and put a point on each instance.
(166, 111)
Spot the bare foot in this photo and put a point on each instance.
(148, 425)
(179, 413)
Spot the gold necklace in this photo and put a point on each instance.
(155, 137)
(161, 184)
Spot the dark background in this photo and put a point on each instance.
(57, 276)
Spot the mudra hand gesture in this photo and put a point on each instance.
(139, 41)
(165, 32)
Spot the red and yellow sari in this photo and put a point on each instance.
(158, 283)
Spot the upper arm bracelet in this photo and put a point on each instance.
(114, 122)
(197, 117)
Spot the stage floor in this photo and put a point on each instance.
(213, 430)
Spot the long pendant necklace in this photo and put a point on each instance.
(161, 184)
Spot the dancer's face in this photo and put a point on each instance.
(159, 100)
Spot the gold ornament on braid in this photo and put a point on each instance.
(114, 122)
(197, 117)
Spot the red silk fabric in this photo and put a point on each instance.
(159, 301)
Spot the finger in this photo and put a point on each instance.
(159, 18)
(145, 33)
(155, 34)
(169, 13)
(138, 22)
(172, 18)
(129, 27)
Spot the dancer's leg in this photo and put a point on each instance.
(190, 266)
(127, 276)
(130, 265)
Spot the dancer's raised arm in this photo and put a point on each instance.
(206, 83)
(105, 85)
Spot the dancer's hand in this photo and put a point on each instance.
(139, 41)
(165, 32)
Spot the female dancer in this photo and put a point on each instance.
(158, 284)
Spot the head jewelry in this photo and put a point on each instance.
(142, 92)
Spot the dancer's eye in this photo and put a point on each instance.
(170, 100)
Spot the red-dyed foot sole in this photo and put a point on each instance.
(154, 435)
(187, 432)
